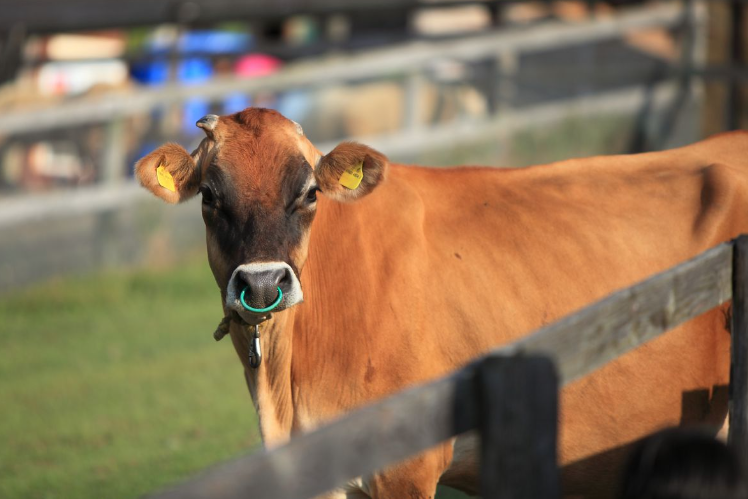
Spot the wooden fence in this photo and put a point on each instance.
(510, 396)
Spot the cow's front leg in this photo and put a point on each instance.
(415, 478)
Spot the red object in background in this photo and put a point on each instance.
(257, 65)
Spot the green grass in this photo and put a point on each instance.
(111, 385)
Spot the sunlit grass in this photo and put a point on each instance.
(111, 385)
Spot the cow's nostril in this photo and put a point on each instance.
(284, 279)
(240, 285)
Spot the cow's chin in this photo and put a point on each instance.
(250, 319)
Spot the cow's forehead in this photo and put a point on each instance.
(260, 154)
(259, 121)
(259, 138)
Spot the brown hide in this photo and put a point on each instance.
(437, 266)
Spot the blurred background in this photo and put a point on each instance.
(110, 384)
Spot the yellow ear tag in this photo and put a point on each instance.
(352, 177)
(165, 179)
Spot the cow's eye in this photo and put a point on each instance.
(311, 196)
(207, 194)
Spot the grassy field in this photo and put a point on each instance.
(112, 386)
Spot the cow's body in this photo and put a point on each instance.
(435, 267)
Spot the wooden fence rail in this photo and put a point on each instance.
(408, 58)
(112, 202)
(518, 438)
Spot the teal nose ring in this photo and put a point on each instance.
(261, 310)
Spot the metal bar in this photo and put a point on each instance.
(413, 102)
(507, 63)
(114, 153)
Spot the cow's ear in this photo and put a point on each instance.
(170, 173)
(350, 171)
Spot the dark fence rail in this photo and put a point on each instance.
(51, 15)
(475, 396)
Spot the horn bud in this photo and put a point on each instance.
(207, 122)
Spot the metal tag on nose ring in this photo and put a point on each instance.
(255, 353)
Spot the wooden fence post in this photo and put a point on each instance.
(517, 399)
(738, 433)
(736, 57)
(413, 106)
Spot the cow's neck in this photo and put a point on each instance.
(275, 388)
(270, 384)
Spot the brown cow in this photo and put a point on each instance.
(416, 271)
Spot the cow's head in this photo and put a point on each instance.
(259, 178)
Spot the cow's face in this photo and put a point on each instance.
(259, 178)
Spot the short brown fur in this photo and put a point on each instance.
(434, 267)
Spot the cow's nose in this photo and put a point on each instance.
(260, 288)
(255, 287)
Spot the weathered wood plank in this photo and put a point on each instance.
(391, 430)
(596, 335)
(517, 403)
(738, 433)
